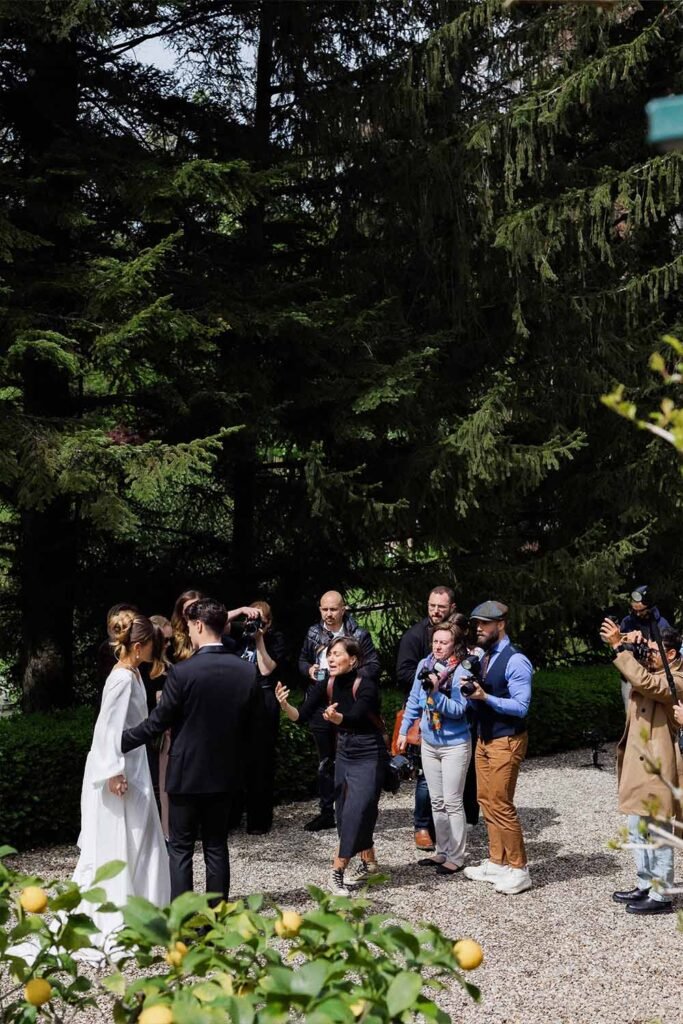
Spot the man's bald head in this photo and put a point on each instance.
(332, 610)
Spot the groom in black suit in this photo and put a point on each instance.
(213, 705)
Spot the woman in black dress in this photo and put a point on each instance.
(352, 704)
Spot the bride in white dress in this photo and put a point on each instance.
(119, 817)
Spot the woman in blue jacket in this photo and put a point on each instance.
(435, 699)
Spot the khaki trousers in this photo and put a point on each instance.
(497, 762)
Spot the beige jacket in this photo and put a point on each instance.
(650, 712)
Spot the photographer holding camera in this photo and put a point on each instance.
(650, 728)
(436, 700)
(335, 622)
(643, 618)
(414, 646)
(499, 690)
(258, 643)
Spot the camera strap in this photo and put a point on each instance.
(657, 637)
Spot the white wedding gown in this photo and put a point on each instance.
(120, 828)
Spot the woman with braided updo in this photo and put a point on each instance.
(119, 817)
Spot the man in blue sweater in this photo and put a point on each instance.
(500, 700)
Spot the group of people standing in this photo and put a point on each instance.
(190, 712)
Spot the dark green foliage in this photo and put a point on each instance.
(569, 704)
(332, 307)
(40, 806)
(43, 758)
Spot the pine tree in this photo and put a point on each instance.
(102, 353)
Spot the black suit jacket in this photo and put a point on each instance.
(213, 705)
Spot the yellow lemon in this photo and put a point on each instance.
(38, 991)
(289, 924)
(156, 1015)
(174, 957)
(468, 953)
(33, 899)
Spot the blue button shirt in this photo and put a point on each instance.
(518, 675)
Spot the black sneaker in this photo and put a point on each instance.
(320, 823)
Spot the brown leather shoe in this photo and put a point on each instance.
(423, 840)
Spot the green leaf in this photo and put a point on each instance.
(329, 1009)
(310, 979)
(255, 901)
(185, 907)
(147, 920)
(402, 992)
(115, 983)
(109, 870)
(95, 895)
(6, 851)
(67, 900)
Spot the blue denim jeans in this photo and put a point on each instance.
(651, 864)
(422, 813)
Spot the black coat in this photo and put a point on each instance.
(416, 644)
(213, 705)
(318, 637)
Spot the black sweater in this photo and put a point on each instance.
(360, 715)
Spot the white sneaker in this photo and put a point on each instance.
(487, 871)
(337, 887)
(515, 880)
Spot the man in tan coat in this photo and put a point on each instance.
(651, 731)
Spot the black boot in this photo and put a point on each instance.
(650, 906)
(321, 821)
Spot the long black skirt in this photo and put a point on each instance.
(358, 777)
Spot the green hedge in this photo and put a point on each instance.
(42, 756)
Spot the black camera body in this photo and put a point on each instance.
(252, 626)
(438, 668)
(640, 651)
(471, 665)
(398, 769)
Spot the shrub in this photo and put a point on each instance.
(43, 756)
(246, 962)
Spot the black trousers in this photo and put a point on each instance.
(469, 796)
(188, 815)
(258, 795)
(261, 786)
(325, 739)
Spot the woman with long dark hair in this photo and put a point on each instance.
(437, 702)
(352, 704)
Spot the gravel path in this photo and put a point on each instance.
(562, 953)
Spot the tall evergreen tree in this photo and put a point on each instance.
(103, 356)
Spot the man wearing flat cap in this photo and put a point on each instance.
(500, 700)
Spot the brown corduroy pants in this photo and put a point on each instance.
(497, 762)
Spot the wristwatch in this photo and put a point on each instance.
(619, 649)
